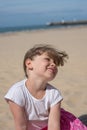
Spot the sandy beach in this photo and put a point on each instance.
(71, 79)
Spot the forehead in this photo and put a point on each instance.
(49, 54)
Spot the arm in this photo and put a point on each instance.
(54, 117)
(19, 116)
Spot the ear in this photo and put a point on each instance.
(28, 64)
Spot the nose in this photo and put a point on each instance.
(54, 66)
(53, 63)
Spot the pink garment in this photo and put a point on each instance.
(70, 122)
(44, 128)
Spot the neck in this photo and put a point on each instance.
(36, 88)
(36, 84)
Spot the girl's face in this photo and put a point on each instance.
(44, 67)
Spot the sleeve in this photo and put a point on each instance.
(16, 95)
(56, 97)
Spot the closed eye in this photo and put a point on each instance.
(48, 59)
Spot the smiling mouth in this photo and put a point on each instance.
(52, 70)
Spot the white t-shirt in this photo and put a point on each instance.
(37, 110)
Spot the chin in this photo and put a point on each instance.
(50, 79)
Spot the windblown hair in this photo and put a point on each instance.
(59, 57)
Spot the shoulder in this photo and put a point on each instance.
(53, 94)
(16, 93)
(19, 86)
(52, 89)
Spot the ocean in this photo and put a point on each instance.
(28, 15)
(39, 27)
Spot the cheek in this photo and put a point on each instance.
(37, 66)
(41, 68)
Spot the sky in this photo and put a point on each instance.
(27, 12)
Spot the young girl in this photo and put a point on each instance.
(36, 104)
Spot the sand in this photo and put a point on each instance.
(71, 79)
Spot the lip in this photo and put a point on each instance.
(53, 70)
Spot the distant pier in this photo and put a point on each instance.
(66, 23)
